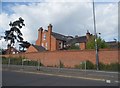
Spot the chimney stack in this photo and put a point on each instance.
(39, 40)
(49, 36)
(88, 35)
(50, 28)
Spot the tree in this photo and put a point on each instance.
(100, 42)
(14, 33)
(74, 47)
(24, 44)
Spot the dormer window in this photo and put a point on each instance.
(44, 37)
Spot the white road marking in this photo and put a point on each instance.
(108, 81)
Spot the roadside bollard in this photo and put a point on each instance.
(85, 65)
(22, 63)
(9, 62)
(108, 81)
(38, 68)
(59, 66)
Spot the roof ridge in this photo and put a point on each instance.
(39, 48)
(59, 33)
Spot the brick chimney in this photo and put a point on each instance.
(39, 40)
(49, 36)
(88, 35)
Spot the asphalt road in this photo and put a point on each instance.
(12, 78)
(104, 75)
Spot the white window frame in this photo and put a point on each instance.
(60, 45)
(44, 36)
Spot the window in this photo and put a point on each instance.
(13, 52)
(60, 45)
(44, 37)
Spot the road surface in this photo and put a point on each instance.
(13, 78)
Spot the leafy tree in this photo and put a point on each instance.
(14, 33)
(24, 44)
(100, 43)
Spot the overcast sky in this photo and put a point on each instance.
(67, 17)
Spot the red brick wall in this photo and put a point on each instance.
(72, 58)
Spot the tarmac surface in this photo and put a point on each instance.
(19, 78)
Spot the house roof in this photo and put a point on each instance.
(112, 44)
(6, 51)
(59, 36)
(39, 48)
(69, 39)
(80, 39)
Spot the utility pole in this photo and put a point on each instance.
(96, 45)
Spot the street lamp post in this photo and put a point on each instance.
(1, 37)
(96, 46)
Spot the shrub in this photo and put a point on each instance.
(78, 66)
(102, 66)
(41, 64)
(18, 61)
(105, 67)
(61, 65)
(89, 65)
(115, 67)
(15, 61)
(4, 60)
(31, 63)
(74, 47)
(109, 67)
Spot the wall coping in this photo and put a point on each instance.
(60, 51)
(90, 50)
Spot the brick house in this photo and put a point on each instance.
(113, 44)
(80, 41)
(11, 50)
(35, 48)
(52, 41)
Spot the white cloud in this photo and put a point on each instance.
(67, 18)
(107, 20)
